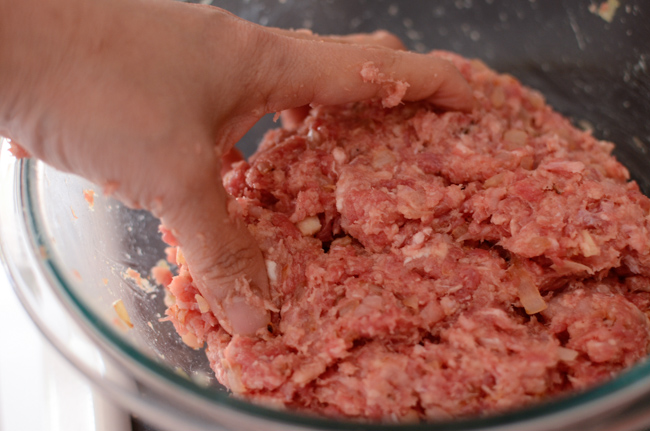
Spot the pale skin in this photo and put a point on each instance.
(145, 97)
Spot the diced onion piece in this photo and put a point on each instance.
(494, 180)
(120, 309)
(233, 374)
(169, 299)
(191, 340)
(459, 231)
(564, 166)
(341, 242)
(515, 138)
(309, 226)
(536, 99)
(528, 292)
(570, 267)
(204, 307)
(382, 157)
(181, 372)
(498, 97)
(531, 299)
(588, 245)
(411, 302)
(527, 162)
(348, 307)
(180, 257)
(566, 354)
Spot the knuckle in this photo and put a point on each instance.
(232, 257)
(230, 261)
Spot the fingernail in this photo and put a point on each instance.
(246, 318)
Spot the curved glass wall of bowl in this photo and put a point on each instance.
(103, 252)
(35, 378)
(74, 309)
(71, 262)
(24, 262)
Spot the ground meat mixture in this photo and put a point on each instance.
(429, 265)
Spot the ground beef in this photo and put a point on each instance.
(430, 264)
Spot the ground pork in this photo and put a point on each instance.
(430, 264)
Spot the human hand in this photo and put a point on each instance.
(144, 97)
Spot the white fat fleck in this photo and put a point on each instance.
(448, 305)
(314, 136)
(309, 226)
(339, 155)
(272, 270)
(498, 219)
(439, 250)
(418, 238)
(463, 149)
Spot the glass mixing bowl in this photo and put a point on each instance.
(69, 262)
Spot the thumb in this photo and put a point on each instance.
(225, 262)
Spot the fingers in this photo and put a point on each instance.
(292, 118)
(378, 38)
(302, 69)
(225, 262)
